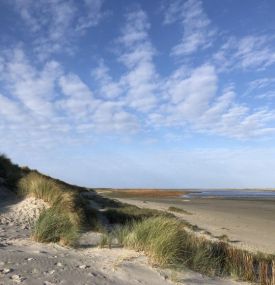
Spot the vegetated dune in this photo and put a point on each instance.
(77, 217)
(28, 262)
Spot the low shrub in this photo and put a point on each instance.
(11, 173)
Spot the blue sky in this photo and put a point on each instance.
(140, 93)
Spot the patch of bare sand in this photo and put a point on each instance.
(22, 213)
(39, 264)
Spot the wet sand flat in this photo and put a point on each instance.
(248, 223)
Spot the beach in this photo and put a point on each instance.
(248, 223)
(25, 261)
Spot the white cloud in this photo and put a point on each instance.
(191, 99)
(10, 110)
(56, 24)
(33, 88)
(45, 105)
(138, 86)
(261, 88)
(198, 33)
(90, 113)
(136, 28)
(240, 123)
(79, 100)
(92, 16)
(253, 53)
(140, 82)
(192, 94)
(108, 87)
(109, 116)
(195, 105)
(261, 83)
(214, 113)
(227, 117)
(187, 96)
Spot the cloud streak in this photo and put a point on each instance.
(198, 32)
(55, 25)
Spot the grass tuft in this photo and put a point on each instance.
(55, 226)
(160, 238)
(178, 210)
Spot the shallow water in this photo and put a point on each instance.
(231, 194)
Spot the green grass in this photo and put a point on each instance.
(55, 226)
(125, 213)
(179, 210)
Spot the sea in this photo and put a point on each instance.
(231, 193)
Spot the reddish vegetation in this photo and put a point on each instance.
(144, 193)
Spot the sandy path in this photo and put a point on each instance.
(248, 224)
(23, 261)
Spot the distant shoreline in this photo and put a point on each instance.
(189, 194)
(180, 189)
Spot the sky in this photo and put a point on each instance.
(159, 93)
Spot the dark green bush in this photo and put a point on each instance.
(11, 173)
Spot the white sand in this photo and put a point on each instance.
(24, 213)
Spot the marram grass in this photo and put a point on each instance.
(55, 226)
(62, 222)
(167, 243)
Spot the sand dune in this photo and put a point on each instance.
(23, 261)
